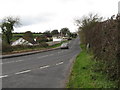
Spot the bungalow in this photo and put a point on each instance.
(57, 38)
(21, 41)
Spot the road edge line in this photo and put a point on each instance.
(28, 53)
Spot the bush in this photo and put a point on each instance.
(103, 38)
(6, 47)
(43, 44)
(23, 47)
(41, 39)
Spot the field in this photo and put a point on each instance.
(19, 35)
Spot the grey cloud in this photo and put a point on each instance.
(67, 0)
(0, 20)
(40, 18)
(32, 20)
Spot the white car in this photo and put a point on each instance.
(64, 46)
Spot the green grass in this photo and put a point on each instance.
(54, 46)
(84, 76)
(18, 35)
(21, 34)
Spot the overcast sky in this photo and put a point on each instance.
(42, 15)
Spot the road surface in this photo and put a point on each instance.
(42, 70)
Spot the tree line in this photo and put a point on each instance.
(9, 23)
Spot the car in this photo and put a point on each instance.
(64, 46)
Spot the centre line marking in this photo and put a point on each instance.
(59, 52)
(51, 54)
(44, 67)
(59, 63)
(45, 56)
(8, 62)
(19, 61)
(23, 72)
(3, 76)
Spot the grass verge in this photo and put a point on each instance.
(28, 49)
(83, 73)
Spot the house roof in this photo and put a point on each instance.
(21, 41)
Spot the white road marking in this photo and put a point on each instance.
(42, 56)
(59, 63)
(8, 62)
(23, 72)
(3, 76)
(51, 54)
(45, 56)
(60, 52)
(44, 67)
(19, 61)
(12, 62)
(26, 71)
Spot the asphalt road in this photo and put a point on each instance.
(42, 70)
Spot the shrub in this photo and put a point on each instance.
(41, 39)
(23, 47)
(6, 47)
(104, 41)
(43, 44)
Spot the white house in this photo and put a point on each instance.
(57, 38)
(21, 41)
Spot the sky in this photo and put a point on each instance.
(43, 15)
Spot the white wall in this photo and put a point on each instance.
(57, 39)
